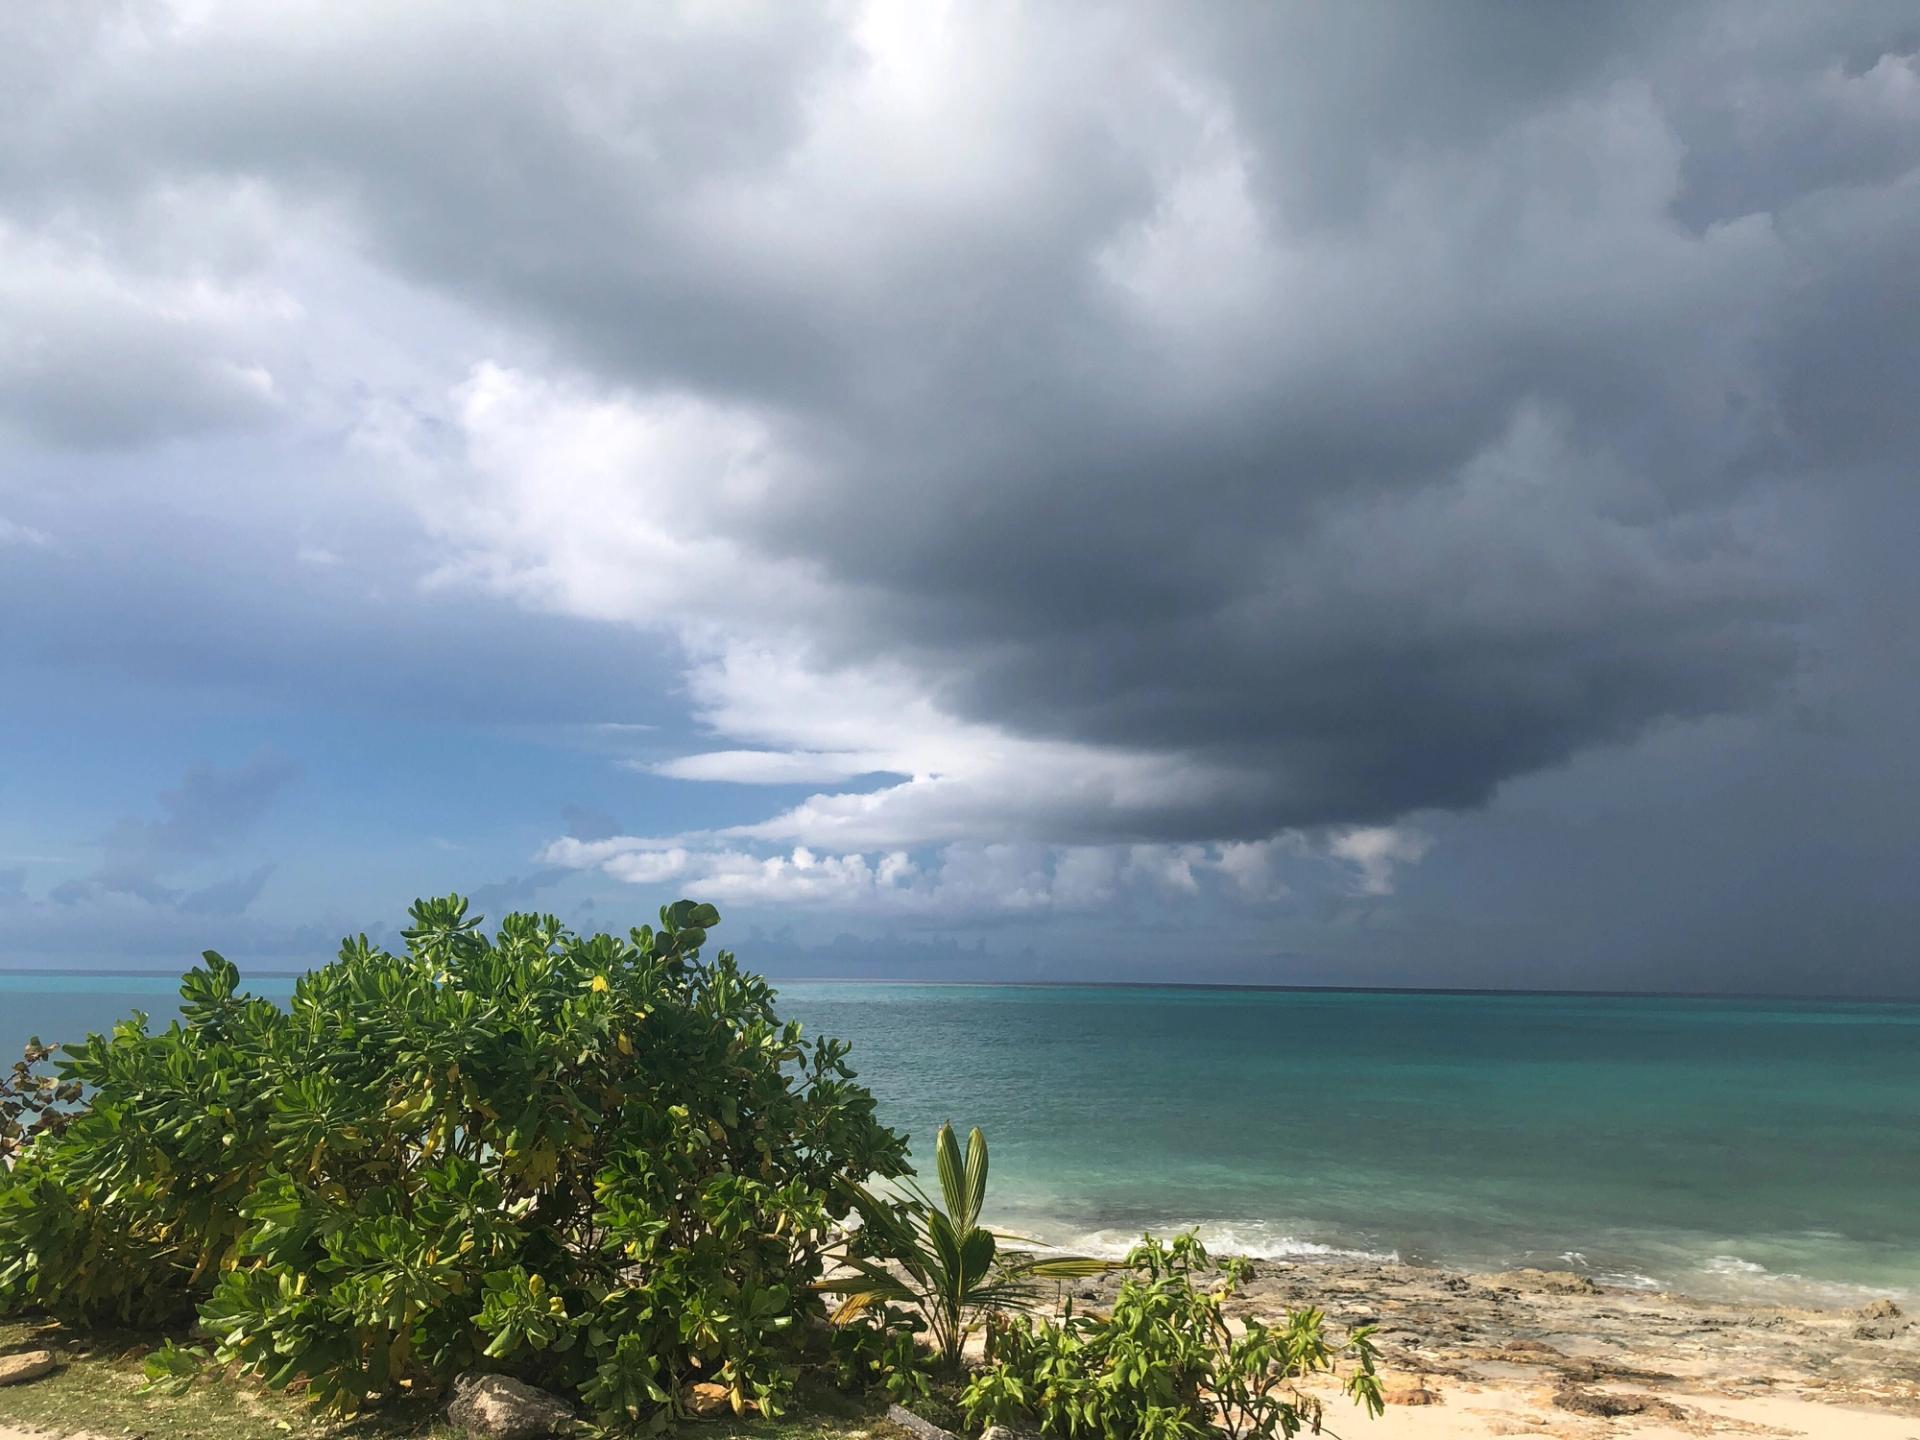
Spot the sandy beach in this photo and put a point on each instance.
(1551, 1353)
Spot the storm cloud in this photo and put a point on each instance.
(1089, 453)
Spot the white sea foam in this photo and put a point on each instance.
(1626, 1279)
(1707, 1268)
(1736, 1278)
(1629, 1280)
(1257, 1240)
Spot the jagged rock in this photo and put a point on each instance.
(1882, 1309)
(1608, 1406)
(27, 1365)
(501, 1408)
(1881, 1329)
(1554, 1282)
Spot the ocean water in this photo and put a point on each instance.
(1739, 1148)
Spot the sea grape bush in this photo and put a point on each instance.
(600, 1163)
(1164, 1364)
(34, 1100)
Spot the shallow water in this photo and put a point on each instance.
(1738, 1148)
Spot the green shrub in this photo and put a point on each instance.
(943, 1263)
(34, 1100)
(602, 1164)
(1165, 1365)
(881, 1351)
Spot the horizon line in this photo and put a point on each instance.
(122, 972)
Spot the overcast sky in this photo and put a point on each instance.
(1324, 494)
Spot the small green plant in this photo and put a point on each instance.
(171, 1369)
(944, 1263)
(881, 1351)
(1165, 1364)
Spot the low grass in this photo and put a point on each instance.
(95, 1392)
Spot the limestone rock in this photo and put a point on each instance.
(1881, 1309)
(27, 1365)
(1608, 1406)
(1553, 1282)
(501, 1408)
(1881, 1329)
(1531, 1347)
(911, 1423)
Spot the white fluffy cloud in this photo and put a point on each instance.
(1375, 850)
(957, 881)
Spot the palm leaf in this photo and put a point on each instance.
(870, 1283)
(946, 1245)
(1063, 1267)
(858, 1302)
(977, 1249)
(953, 1177)
(976, 1174)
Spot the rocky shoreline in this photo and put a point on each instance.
(1555, 1353)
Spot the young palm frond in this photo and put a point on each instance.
(943, 1262)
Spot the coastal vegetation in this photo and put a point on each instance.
(602, 1166)
(1164, 1362)
(943, 1264)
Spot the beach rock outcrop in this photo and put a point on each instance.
(27, 1365)
(1880, 1320)
(1880, 1329)
(1607, 1405)
(499, 1407)
(1553, 1282)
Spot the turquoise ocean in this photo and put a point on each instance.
(1758, 1149)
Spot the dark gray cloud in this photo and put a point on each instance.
(1359, 410)
(585, 823)
(209, 811)
(1467, 462)
(208, 814)
(231, 896)
(516, 892)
